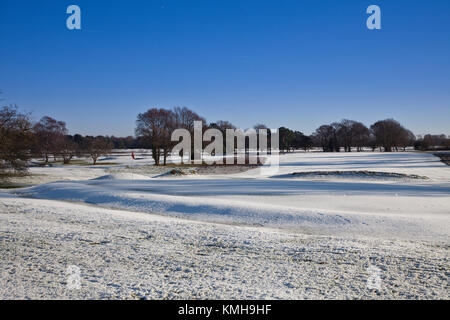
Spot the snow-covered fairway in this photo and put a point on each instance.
(243, 235)
(128, 255)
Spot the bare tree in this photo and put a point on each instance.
(387, 133)
(360, 136)
(352, 133)
(48, 132)
(169, 121)
(67, 149)
(184, 119)
(406, 139)
(286, 139)
(222, 126)
(262, 127)
(156, 126)
(433, 142)
(326, 137)
(97, 147)
(344, 132)
(16, 139)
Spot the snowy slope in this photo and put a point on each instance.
(241, 235)
(390, 207)
(127, 255)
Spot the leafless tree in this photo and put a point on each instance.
(156, 126)
(352, 133)
(405, 139)
(433, 142)
(361, 135)
(262, 127)
(184, 119)
(97, 147)
(222, 126)
(388, 133)
(67, 149)
(16, 138)
(326, 137)
(345, 133)
(49, 132)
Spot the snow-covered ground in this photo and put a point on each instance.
(137, 232)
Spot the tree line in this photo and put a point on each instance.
(154, 128)
(22, 139)
(386, 134)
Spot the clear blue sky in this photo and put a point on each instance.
(294, 63)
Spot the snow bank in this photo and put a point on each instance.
(270, 203)
(123, 176)
(351, 174)
(395, 207)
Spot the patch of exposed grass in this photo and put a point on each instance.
(191, 165)
(105, 164)
(5, 179)
(445, 157)
(6, 175)
(77, 162)
(353, 173)
(10, 186)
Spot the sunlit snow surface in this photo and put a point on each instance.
(241, 235)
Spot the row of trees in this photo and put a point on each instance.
(51, 139)
(432, 142)
(346, 134)
(293, 140)
(155, 126)
(388, 134)
(16, 138)
(21, 138)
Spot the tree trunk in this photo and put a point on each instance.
(155, 155)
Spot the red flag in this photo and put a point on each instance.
(132, 155)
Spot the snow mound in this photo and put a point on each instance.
(177, 173)
(351, 174)
(123, 176)
(376, 209)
